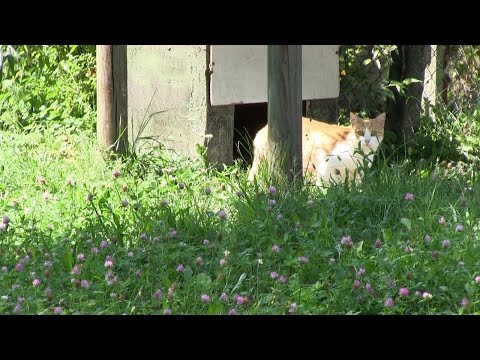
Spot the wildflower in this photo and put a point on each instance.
(104, 244)
(427, 295)
(226, 253)
(17, 309)
(163, 203)
(282, 279)
(167, 311)
(94, 250)
(276, 248)
(459, 228)
(408, 249)
(81, 257)
(418, 293)
(272, 190)
(279, 216)
(232, 312)
(208, 190)
(36, 282)
(361, 271)
(271, 203)
(4, 269)
(158, 294)
(477, 279)
(389, 303)
(41, 180)
(124, 202)
(369, 288)
(346, 241)
(273, 275)
(293, 308)
(205, 298)
(223, 297)
(356, 283)
(46, 195)
(403, 292)
(464, 302)
(70, 181)
(113, 295)
(89, 241)
(19, 267)
(143, 236)
(130, 254)
(332, 261)
(409, 196)
(446, 243)
(199, 261)
(223, 262)
(222, 214)
(84, 284)
(5, 219)
(180, 268)
(205, 242)
(57, 310)
(3, 226)
(427, 238)
(303, 259)
(138, 273)
(441, 220)
(239, 193)
(239, 300)
(181, 185)
(76, 269)
(173, 233)
(116, 174)
(108, 262)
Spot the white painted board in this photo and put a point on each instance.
(240, 73)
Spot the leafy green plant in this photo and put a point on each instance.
(53, 85)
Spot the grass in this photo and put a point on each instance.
(159, 234)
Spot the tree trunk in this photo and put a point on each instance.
(403, 114)
(285, 110)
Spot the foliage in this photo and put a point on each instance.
(49, 85)
(80, 235)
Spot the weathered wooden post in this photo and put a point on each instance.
(285, 110)
(106, 127)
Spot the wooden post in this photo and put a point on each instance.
(106, 124)
(120, 90)
(285, 110)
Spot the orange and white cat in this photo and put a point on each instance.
(331, 152)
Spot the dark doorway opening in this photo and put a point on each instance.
(248, 120)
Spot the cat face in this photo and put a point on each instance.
(368, 132)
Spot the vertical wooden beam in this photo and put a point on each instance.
(285, 110)
(120, 97)
(106, 124)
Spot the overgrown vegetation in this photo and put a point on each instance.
(50, 86)
(154, 234)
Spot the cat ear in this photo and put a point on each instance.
(381, 119)
(353, 118)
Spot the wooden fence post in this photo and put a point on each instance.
(285, 110)
(106, 124)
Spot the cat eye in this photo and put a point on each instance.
(360, 133)
(374, 133)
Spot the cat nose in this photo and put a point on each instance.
(367, 141)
